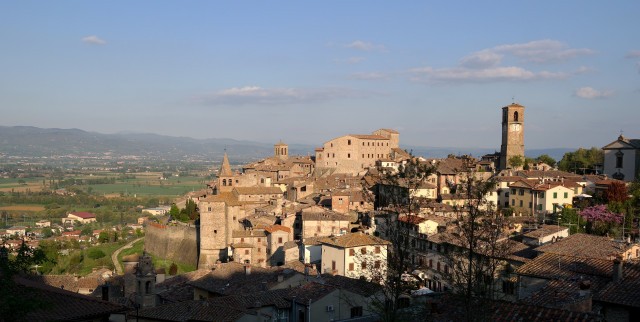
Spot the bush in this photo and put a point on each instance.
(95, 253)
(173, 269)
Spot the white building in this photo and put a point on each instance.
(355, 255)
(622, 159)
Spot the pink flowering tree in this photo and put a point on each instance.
(600, 220)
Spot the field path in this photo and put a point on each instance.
(114, 256)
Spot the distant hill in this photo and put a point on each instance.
(38, 142)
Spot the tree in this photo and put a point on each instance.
(95, 253)
(395, 194)
(173, 269)
(476, 249)
(599, 219)
(516, 161)
(545, 158)
(581, 161)
(174, 211)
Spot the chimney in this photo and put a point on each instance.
(247, 269)
(617, 269)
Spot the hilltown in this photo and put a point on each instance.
(365, 231)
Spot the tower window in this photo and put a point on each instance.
(348, 142)
(515, 116)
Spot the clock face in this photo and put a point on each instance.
(515, 127)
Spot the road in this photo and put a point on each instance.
(114, 256)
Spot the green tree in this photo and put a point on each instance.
(545, 158)
(516, 161)
(86, 231)
(581, 161)
(103, 237)
(174, 211)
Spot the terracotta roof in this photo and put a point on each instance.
(67, 282)
(62, 305)
(84, 215)
(273, 228)
(588, 246)
(554, 266)
(412, 219)
(177, 288)
(258, 190)
(192, 311)
(625, 291)
(545, 230)
(368, 136)
(354, 285)
(354, 240)
(225, 168)
(226, 197)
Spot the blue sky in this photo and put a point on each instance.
(305, 72)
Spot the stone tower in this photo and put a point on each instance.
(145, 282)
(281, 150)
(512, 133)
(225, 176)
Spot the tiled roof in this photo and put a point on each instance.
(177, 288)
(588, 246)
(626, 291)
(231, 278)
(412, 219)
(226, 197)
(273, 228)
(192, 311)
(258, 190)
(354, 285)
(353, 240)
(312, 291)
(545, 230)
(552, 266)
(241, 245)
(62, 305)
(563, 292)
(67, 282)
(368, 136)
(84, 215)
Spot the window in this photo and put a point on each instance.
(508, 287)
(513, 191)
(446, 269)
(352, 252)
(363, 251)
(348, 142)
(259, 239)
(246, 252)
(356, 311)
(259, 250)
(215, 231)
(333, 265)
(521, 192)
(363, 265)
(348, 155)
(319, 229)
(242, 240)
(513, 202)
(541, 195)
(377, 264)
(566, 195)
(430, 263)
(377, 250)
(619, 159)
(540, 207)
(279, 240)
(438, 266)
(515, 116)
(351, 266)
(555, 195)
(521, 203)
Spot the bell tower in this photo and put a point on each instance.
(512, 134)
(281, 150)
(145, 282)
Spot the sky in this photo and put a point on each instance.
(305, 72)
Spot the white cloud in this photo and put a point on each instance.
(94, 40)
(591, 93)
(486, 65)
(633, 54)
(510, 73)
(365, 46)
(481, 59)
(369, 76)
(255, 95)
(542, 51)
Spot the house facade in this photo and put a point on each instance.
(622, 159)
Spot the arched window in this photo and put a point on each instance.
(224, 182)
(515, 116)
(147, 287)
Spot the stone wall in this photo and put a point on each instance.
(177, 243)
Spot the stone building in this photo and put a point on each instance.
(354, 153)
(512, 134)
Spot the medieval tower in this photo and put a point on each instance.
(281, 150)
(145, 282)
(512, 134)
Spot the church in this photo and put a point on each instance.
(622, 159)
